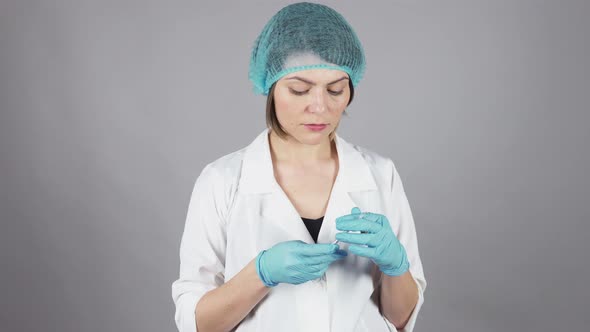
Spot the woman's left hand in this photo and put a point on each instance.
(376, 240)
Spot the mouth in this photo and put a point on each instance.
(315, 126)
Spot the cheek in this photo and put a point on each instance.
(286, 113)
(288, 109)
(338, 107)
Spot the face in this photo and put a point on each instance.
(311, 97)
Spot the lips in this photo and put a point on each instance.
(315, 126)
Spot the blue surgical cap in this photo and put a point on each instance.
(304, 36)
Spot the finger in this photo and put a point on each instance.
(318, 249)
(320, 273)
(316, 268)
(363, 239)
(362, 251)
(361, 215)
(325, 259)
(342, 252)
(371, 216)
(361, 225)
(353, 214)
(320, 266)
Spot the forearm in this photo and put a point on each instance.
(222, 308)
(399, 296)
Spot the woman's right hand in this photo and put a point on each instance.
(296, 262)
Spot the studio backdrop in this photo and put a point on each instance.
(109, 110)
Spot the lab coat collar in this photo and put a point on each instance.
(258, 176)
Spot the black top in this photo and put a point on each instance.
(313, 226)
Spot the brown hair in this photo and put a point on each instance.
(271, 116)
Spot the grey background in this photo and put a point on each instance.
(110, 109)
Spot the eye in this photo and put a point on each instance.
(298, 93)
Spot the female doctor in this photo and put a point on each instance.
(300, 230)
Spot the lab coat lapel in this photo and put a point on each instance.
(277, 210)
(280, 220)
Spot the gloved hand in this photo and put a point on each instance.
(296, 262)
(382, 246)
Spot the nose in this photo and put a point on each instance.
(319, 104)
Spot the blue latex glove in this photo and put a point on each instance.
(376, 240)
(296, 262)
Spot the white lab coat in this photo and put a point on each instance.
(238, 209)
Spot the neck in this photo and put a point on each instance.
(290, 151)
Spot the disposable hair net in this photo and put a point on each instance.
(304, 36)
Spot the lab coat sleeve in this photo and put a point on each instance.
(408, 238)
(202, 247)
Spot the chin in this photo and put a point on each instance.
(312, 138)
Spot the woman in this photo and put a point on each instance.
(300, 230)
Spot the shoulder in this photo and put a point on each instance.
(378, 162)
(382, 167)
(227, 166)
(373, 157)
(216, 185)
(222, 174)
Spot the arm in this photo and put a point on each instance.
(222, 308)
(402, 297)
(399, 296)
(202, 247)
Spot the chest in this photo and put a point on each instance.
(308, 188)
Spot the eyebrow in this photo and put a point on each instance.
(312, 83)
